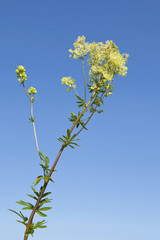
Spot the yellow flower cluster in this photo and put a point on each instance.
(32, 91)
(81, 48)
(105, 61)
(68, 81)
(21, 75)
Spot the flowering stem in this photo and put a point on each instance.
(52, 169)
(34, 128)
(26, 92)
(84, 80)
(75, 91)
(32, 117)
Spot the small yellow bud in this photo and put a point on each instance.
(32, 91)
(21, 75)
(21, 69)
(32, 99)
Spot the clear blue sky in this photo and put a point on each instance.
(108, 189)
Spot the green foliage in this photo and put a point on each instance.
(29, 206)
(73, 118)
(40, 210)
(38, 179)
(32, 119)
(25, 219)
(81, 102)
(46, 170)
(99, 111)
(34, 191)
(33, 226)
(68, 140)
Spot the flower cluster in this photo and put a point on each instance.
(105, 61)
(32, 91)
(68, 81)
(81, 48)
(21, 75)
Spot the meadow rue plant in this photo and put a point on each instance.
(105, 61)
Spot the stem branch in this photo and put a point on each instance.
(84, 80)
(52, 169)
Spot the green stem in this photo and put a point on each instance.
(75, 91)
(84, 80)
(26, 92)
(86, 122)
(102, 96)
(82, 113)
(52, 169)
(34, 127)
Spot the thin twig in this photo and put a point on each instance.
(84, 80)
(32, 117)
(26, 92)
(75, 91)
(34, 128)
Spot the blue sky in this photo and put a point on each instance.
(108, 189)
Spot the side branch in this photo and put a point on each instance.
(32, 117)
(52, 169)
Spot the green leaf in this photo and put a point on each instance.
(40, 224)
(83, 125)
(29, 195)
(73, 117)
(42, 154)
(71, 146)
(15, 212)
(28, 208)
(66, 138)
(24, 218)
(75, 144)
(25, 203)
(41, 214)
(99, 111)
(47, 160)
(45, 200)
(22, 222)
(34, 190)
(80, 99)
(46, 194)
(39, 178)
(61, 140)
(32, 119)
(68, 133)
(81, 102)
(51, 180)
(44, 209)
